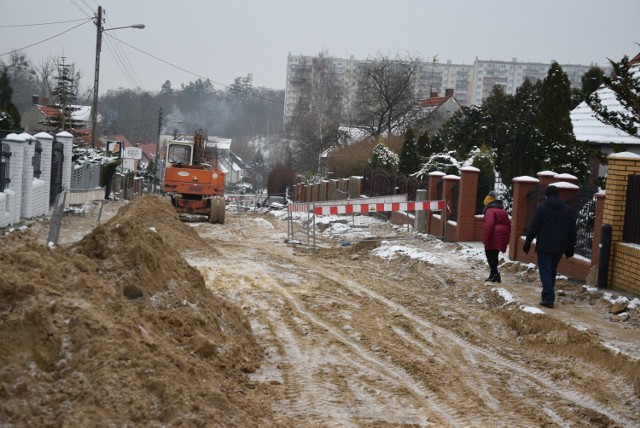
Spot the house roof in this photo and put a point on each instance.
(433, 102)
(588, 128)
(148, 149)
(220, 143)
(82, 113)
(119, 137)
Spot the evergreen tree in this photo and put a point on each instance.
(625, 83)
(560, 151)
(464, 131)
(9, 115)
(591, 81)
(521, 156)
(166, 89)
(426, 146)
(409, 156)
(482, 159)
(383, 158)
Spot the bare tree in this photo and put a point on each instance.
(386, 93)
(317, 115)
(46, 70)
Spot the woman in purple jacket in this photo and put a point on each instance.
(497, 228)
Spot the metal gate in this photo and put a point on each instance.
(5, 156)
(583, 205)
(57, 162)
(631, 231)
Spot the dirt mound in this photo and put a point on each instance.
(118, 329)
(549, 335)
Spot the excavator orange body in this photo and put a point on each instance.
(192, 182)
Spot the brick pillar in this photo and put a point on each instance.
(467, 203)
(567, 191)
(620, 166)
(26, 207)
(449, 182)
(546, 178)
(597, 228)
(435, 178)
(67, 140)
(14, 191)
(521, 186)
(622, 273)
(568, 178)
(47, 142)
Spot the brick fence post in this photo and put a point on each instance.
(521, 186)
(621, 165)
(567, 191)
(435, 178)
(447, 195)
(467, 203)
(546, 178)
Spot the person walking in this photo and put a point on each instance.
(496, 231)
(554, 229)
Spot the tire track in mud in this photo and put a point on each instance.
(337, 374)
(469, 352)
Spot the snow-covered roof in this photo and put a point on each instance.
(220, 143)
(587, 127)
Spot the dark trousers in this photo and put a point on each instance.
(548, 268)
(492, 259)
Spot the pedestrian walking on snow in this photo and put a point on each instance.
(496, 231)
(554, 229)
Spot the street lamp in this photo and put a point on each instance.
(94, 107)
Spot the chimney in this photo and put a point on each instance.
(433, 94)
(448, 92)
(34, 100)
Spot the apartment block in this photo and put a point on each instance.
(471, 83)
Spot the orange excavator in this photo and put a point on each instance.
(192, 179)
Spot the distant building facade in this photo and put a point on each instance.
(471, 83)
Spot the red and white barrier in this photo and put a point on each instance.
(379, 207)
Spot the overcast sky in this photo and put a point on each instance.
(222, 40)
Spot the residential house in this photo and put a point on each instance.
(435, 111)
(601, 136)
(35, 119)
(228, 162)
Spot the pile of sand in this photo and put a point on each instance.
(118, 329)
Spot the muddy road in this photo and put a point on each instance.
(353, 339)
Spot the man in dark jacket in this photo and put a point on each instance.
(554, 229)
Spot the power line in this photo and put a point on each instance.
(193, 73)
(42, 23)
(47, 39)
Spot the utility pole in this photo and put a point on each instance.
(156, 179)
(94, 106)
(99, 30)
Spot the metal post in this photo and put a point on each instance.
(603, 255)
(421, 215)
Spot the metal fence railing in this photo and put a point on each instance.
(86, 176)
